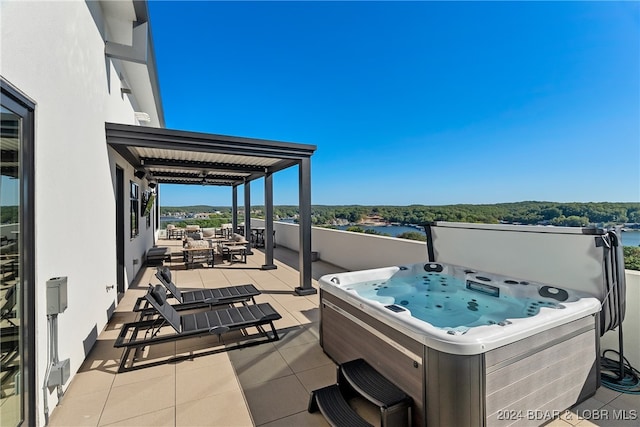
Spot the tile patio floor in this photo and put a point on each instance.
(263, 385)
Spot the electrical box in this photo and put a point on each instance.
(60, 373)
(56, 295)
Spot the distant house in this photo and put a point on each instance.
(373, 220)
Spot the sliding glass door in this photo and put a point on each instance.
(17, 342)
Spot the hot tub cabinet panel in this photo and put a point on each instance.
(525, 382)
(545, 373)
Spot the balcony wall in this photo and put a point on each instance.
(359, 251)
(352, 251)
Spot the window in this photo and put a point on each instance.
(148, 197)
(135, 209)
(17, 272)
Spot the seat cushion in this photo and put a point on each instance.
(166, 274)
(198, 244)
(194, 235)
(159, 294)
(239, 238)
(208, 232)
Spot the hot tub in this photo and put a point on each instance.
(470, 347)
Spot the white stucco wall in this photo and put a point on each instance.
(352, 251)
(54, 53)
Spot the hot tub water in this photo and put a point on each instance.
(449, 302)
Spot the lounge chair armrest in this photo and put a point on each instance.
(211, 300)
(219, 330)
(271, 317)
(268, 313)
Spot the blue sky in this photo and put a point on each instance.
(413, 102)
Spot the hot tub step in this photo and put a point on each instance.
(394, 404)
(334, 408)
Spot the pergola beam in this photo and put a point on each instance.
(190, 164)
(140, 136)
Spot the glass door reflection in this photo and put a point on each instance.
(11, 357)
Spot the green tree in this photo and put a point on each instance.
(413, 235)
(355, 229)
(550, 213)
(571, 221)
(376, 232)
(631, 257)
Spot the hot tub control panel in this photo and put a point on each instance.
(484, 288)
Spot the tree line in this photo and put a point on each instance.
(528, 212)
(572, 214)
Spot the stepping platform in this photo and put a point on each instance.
(357, 377)
(334, 408)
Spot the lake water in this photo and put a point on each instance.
(392, 230)
(629, 238)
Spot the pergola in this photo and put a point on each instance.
(191, 158)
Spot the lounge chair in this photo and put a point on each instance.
(216, 322)
(202, 297)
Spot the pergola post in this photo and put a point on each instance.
(304, 221)
(234, 209)
(247, 215)
(268, 222)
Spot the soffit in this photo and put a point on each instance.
(141, 77)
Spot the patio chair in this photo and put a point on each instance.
(196, 251)
(234, 249)
(200, 298)
(174, 232)
(216, 322)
